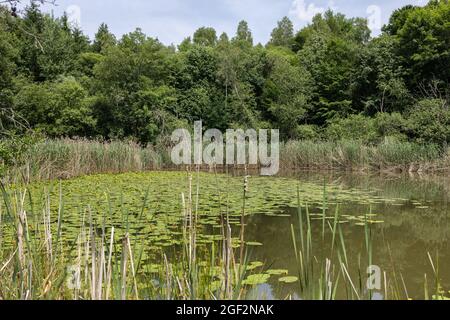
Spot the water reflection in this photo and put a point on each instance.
(401, 243)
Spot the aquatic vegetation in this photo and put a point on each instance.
(256, 279)
(184, 235)
(68, 158)
(277, 272)
(289, 279)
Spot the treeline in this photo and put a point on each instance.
(330, 80)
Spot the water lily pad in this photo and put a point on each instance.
(289, 279)
(277, 272)
(256, 279)
(253, 243)
(255, 264)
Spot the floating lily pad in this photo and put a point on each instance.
(289, 279)
(277, 272)
(255, 264)
(256, 279)
(253, 243)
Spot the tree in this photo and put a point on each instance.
(185, 45)
(243, 34)
(61, 50)
(135, 87)
(398, 19)
(224, 40)
(333, 24)
(329, 51)
(286, 94)
(57, 109)
(103, 39)
(283, 34)
(379, 84)
(331, 62)
(429, 121)
(8, 57)
(129, 81)
(205, 37)
(424, 43)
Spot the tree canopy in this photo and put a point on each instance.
(318, 81)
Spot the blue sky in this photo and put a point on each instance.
(173, 20)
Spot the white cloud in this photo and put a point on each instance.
(374, 18)
(74, 15)
(303, 12)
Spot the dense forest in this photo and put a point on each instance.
(330, 80)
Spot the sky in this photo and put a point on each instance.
(173, 20)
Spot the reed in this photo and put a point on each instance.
(353, 155)
(67, 158)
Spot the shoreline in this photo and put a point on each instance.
(68, 158)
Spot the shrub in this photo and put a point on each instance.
(307, 132)
(355, 127)
(391, 125)
(429, 122)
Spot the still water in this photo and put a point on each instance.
(415, 222)
(408, 218)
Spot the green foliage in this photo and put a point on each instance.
(287, 94)
(62, 108)
(423, 34)
(390, 125)
(429, 121)
(103, 39)
(307, 132)
(205, 37)
(13, 148)
(328, 81)
(335, 25)
(244, 35)
(8, 58)
(283, 34)
(355, 127)
(380, 85)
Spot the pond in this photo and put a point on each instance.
(407, 217)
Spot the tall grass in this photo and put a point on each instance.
(354, 155)
(66, 158)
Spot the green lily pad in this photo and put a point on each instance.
(277, 272)
(289, 279)
(256, 279)
(254, 243)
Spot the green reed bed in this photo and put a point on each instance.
(66, 158)
(355, 155)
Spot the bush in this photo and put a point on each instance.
(355, 127)
(429, 122)
(13, 149)
(61, 108)
(307, 132)
(391, 125)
